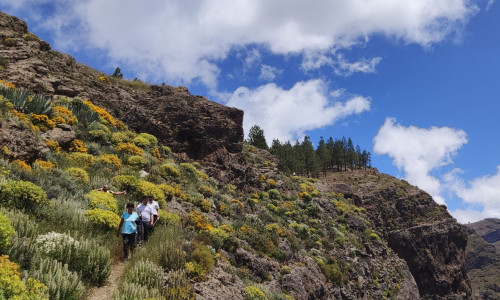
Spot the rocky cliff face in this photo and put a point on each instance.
(186, 123)
(483, 258)
(420, 231)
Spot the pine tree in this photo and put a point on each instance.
(256, 137)
(117, 73)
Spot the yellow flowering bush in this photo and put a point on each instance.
(272, 183)
(110, 160)
(78, 146)
(103, 218)
(44, 164)
(129, 148)
(122, 137)
(80, 159)
(254, 293)
(169, 171)
(152, 140)
(141, 142)
(17, 163)
(169, 218)
(156, 153)
(168, 190)
(8, 85)
(66, 114)
(126, 182)
(78, 173)
(53, 145)
(105, 115)
(102, 200)
(12, 287)
(137, 161)
(145, 188)
(22, 195)
(198, 221)
(104, 79)
(44, 123)
(206, 190)
(6, 231)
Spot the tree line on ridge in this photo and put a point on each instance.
(301, 158)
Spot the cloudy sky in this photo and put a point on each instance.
(415, 82)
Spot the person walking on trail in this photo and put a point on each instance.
(154, 209)
(146, 216)
(128, 229)
(105, 188)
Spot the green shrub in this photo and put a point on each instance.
(206, 190)
(22, 250)
(168, 218)
(274, 194)
(178, 286)
(150, 138)
(68, 214)
(145, 273)
(6, 231)
(125, 182)
(12, 287)
(132, 291)
(141, 142)
(22, 195)
(203, 257)
(102, 200)
(168, 190)
(79, 173)
(61, 282)
(164, 248)
(103, 218)
(137, 161)
(80, 159)
(254, 293)
(122, 137)
(169, 171)
(109, 160)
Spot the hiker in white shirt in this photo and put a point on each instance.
(144, 211)
(155, 208)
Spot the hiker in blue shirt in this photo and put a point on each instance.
(128, 229)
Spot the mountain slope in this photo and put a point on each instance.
(358, 235)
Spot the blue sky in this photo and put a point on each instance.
(415, 82)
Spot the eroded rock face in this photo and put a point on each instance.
(418, 229)
(434, 254)
(184, 122)
(21, 142)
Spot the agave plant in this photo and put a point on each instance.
(84, 113)
(38, 104)
(19, 98)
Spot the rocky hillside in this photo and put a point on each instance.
(483, 258)
(235, 227)
(187, 123)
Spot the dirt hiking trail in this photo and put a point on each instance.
(106, 291)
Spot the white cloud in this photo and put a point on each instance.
(418, 151)
(287, 114)
(185, 40)
(346, 68)
(269, 73)
(482, 194)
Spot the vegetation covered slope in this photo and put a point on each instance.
(287, 237)
(231, 220)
